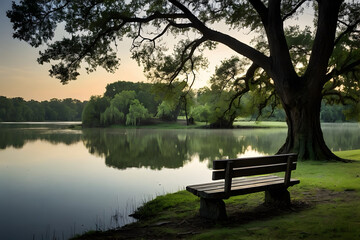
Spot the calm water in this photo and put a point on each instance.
(59, 182)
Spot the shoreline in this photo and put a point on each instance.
(327, 192)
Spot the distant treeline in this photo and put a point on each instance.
(128, 103)
(19, 110)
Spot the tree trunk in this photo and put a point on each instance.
(304, 131)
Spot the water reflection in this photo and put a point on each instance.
(157, 149)
(50, 179)
(18, 137)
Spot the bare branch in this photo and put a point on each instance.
(264, 104)
(248, 77)
(193, 45)
(153, 40)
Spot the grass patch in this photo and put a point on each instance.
(350, 154)
(260, 124)
(322, 222)
(174, 205)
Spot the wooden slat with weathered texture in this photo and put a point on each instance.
(216, 189)
(253, 161)
(244, 189)
(253, 170)
(235, 181)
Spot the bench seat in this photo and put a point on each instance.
(239, 186)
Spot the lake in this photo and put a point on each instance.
(56, 182)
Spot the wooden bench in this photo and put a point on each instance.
(211, 194)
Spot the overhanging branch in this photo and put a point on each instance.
(297, 6)
(343, 70)
(349, 28)
(192, 46)
(238, 46)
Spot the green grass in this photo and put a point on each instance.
(351, 154)
(260, 124)
(325, 221)
(182, 125)
(162, 207)
(326, 206)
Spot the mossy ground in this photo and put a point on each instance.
(325, 205)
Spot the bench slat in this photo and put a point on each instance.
(253, 170)
(240, 190)
(253, 161)
(236, 182)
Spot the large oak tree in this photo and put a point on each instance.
(300, 73)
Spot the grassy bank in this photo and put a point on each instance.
(181, 124)
(326, 205)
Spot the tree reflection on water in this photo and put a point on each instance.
(157, 149)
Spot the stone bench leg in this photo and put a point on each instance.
(212, 209)
(278, 197)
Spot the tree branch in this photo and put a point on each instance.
(297, 6)
(341, 97)
(184, 59)
(350, 28)
(324, 39)
(343, 70)
(261, 10)
(238, 46)
(248, 76)
(153, 40)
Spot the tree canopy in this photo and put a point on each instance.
(287, 64)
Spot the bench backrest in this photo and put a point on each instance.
(240, 167)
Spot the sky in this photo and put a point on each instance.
(22, 76)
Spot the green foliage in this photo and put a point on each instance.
(17, 110)
(201, 113)
(112, 115)
(167, 111)
(144, 93)
(216, 107)
(91, 115)
(353, 113)
(123, 108)
(123, 100)
(176, 97)
(118, 109)
(137, 112)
